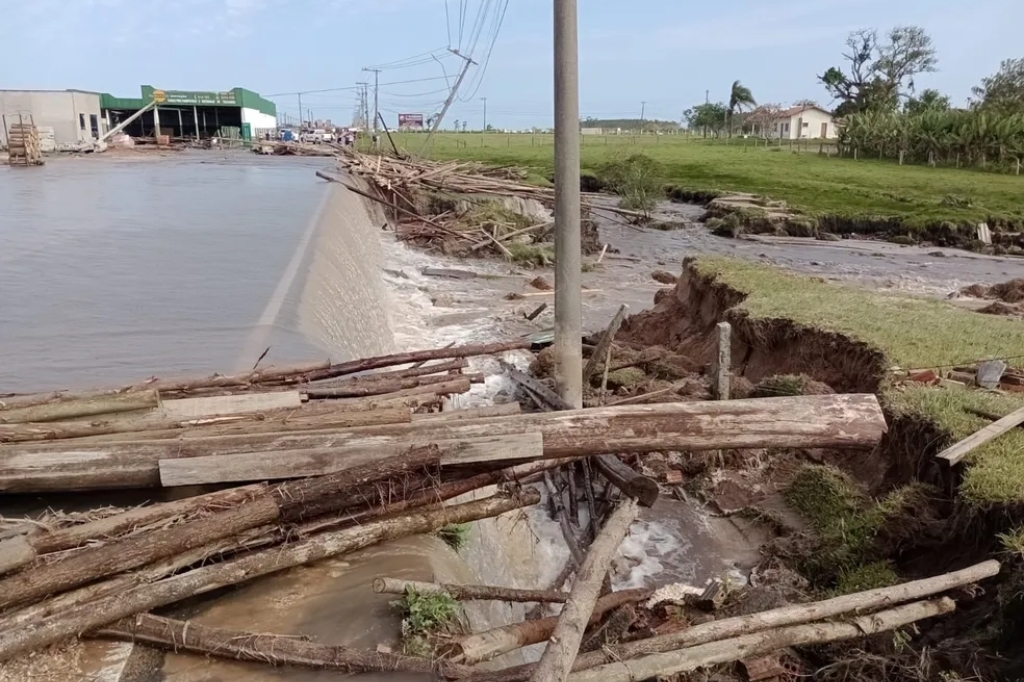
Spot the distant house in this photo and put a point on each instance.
(803, 122)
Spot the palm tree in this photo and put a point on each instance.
(741, 97)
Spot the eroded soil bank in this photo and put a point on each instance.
(845, 520)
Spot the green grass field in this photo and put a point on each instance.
(816, 185)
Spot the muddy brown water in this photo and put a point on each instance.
(196, 262)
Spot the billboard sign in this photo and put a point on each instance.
(181, 97)
(410, 121)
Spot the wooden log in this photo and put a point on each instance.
(623, 477)
(286, 502)
(564, 644)
(469, 592)
(286, 464)
(717, 630)
(96, 614)
(503, 410)
(13, 555)
(275, 650)
(450, 386)
(852, 421)
(455, 365)
(723, 362)
(221, 405)
(285, 374)
(957, 452)
(729, 650)
(572, 542)
(358, 389)
(306, 419)
(644, 489)
(367, 364)
(484, 646)
(604, 344)
(86, 407)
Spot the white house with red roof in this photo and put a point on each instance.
(805, 122)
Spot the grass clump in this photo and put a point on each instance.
(853, 531)
(424, 616)
(455, 536)
(532, 255)
(1013, 542)
(789, 385)
(638, 179)
(866, 577)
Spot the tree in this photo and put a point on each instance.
(456, 126)
(707, 116)
(740, 97)
(1003, 92)
(762, 119)
(929, 100)
(879, 72)
(465, 124)
(805, 103)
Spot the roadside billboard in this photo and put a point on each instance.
(410, 121)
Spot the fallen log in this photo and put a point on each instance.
(564, 644)
(96, 614)
(359, 389)
(857, 603)
(469, 592)
(285, 374)
(788, 422)
(306, 419)
(367, 364)
(85, 407)
(455, 365)
(644, 489)
(286, 502)
(450, 386)
(224, 405)
(266, 466)
(621, 476)
(604, 345)
(484, 646)
(275, 650)
(576, 555)
(503, 410)
(23, 550)
(728, 650)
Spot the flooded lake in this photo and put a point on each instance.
(112, 269)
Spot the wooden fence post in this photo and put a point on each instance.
(723, 360)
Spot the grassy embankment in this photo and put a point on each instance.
(839, 194)
(911, 333)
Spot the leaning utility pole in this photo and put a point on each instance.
(451, 96)
(484, 99)
(568, 304)
(643, 110)
(376, 98)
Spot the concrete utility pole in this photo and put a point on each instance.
(301, 124)
(485, 113)
(643, 110)
(376, 98)
(568, 304)
(451, 96)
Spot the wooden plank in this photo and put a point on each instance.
(957, 452)
(503, 410)
(221, 405)
(264, 466)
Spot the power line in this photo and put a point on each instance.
(448, 23)
(315, 92)
(479, 78)
(398, 63)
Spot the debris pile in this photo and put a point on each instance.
(323, 459)
(464, 208)
(1007, 297)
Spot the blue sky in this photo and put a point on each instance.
(664, 52)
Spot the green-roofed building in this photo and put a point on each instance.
(193, 114)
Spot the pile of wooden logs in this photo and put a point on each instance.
(405, 187)
(329, 458)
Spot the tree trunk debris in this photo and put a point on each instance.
(364, 456)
